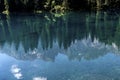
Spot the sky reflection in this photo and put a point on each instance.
(106, 67)
(16, 71)
(39, 78)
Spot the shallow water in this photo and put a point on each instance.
(75, 46)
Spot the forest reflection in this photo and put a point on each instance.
(78, 35)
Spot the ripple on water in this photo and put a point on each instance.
(92, 77)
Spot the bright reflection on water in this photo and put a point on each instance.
(76, 46)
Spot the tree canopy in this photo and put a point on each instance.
(56, 5)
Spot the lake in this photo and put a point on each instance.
(74, 46)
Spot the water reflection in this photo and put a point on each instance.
(77, 35)
(16, 71)
(76, 46)
(104, 68)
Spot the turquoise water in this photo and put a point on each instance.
(75, 46)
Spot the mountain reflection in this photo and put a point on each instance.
(77, 35)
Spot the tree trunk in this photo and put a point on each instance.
(98, 2)
(106, 2)
(6, 11)
(88, 2)
(65, 4)
(6, 5)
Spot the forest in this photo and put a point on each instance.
(44, 33)
(38, 6)
(65, 29)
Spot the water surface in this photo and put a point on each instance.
(75, 46)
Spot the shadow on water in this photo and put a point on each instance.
(77, 35)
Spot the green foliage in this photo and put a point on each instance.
(56, 6)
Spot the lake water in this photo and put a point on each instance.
(75, 46)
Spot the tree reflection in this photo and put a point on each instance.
(77, 35)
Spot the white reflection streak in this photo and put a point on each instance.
(15, 70)
(39, 78)
(115, 46)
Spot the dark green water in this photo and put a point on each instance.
(76, 46)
